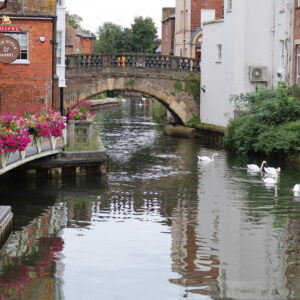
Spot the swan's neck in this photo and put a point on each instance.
(262, 165)
(213, 157)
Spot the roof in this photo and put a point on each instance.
(84, 34)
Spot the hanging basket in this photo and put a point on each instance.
(53, 142)
(3, 159)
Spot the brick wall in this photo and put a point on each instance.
(197, 5)
(87, 45)
(167, 37)
(22, 86)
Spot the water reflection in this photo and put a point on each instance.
(161, 225)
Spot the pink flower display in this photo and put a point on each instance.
(15, 130)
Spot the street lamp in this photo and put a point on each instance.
(3, 4)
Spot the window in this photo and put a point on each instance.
(166, 33)
(282, 53)
(229, 5)
(219, 53)
(23, 42)
(298, 63)
(59, 47)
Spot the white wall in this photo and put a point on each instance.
(61, 27)
(250, 35)
(182, 28)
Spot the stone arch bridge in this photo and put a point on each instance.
(154, 75)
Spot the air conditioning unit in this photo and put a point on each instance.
(258, 74)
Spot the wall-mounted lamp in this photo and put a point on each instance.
(54, 43)
(42, 39)
(3, 4)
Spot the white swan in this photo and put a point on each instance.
(296, 188)
(272, 171)
(271, 181)
(143, 98)
(140, 104)
(208, 159)
(255, 168)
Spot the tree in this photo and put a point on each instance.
(140, 38)
(74, 21)
(144, 35)
(109, 38)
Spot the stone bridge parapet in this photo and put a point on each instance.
(154, 75)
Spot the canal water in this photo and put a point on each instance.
(160, 226)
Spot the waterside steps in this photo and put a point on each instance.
(6, 217)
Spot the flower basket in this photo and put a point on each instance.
(53, 142)
(38, 141)
(22, 154)
(3, 159)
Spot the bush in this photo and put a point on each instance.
(159, 112)
(271, 122)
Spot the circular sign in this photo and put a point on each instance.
(9, 49)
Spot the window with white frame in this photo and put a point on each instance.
(59, 47)
(298, 63)
(219, 52)
(282, 53)
(229, 5)
(166, 33)
(23, 42)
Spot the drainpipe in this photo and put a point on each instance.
(54, 43)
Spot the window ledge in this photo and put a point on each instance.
(21, 62)
(229, 10)
(218, 61)
(282, 11)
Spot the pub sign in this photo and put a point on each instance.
(9, 49)
(3, 4)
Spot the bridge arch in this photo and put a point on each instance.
(84, 81)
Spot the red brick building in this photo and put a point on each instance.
(190, 15)
(31, 82)
(78, 41)
(168, 31)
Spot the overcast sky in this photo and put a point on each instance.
(95, 12)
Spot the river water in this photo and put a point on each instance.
(159, 226)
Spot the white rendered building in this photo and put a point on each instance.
(60, 38)
(251, 46)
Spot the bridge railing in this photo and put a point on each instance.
(134, 60)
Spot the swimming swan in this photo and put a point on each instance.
(272, 171)
(271, 181)
(208, 159)
(296, 188)
(255, 168)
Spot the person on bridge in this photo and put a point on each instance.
(123, 61)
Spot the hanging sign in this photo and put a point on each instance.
(2, 4)
(7, 27)
(11, 29)
(9, 49)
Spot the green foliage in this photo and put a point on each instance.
(192, 85)
(99, 96)
(271, 122)
(178, 86)
(193, 121)
(144, 36)
(75, 22)
(140, 38)
(159, 112)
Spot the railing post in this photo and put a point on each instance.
(106, 60)
(174, 63)
(71, 61)
(140, 61)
